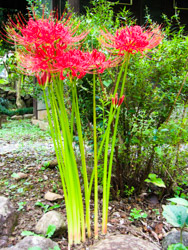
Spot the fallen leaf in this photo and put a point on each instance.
(158, 228)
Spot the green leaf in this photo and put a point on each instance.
(159, 151)
(107, 83)
(50, 231)
(179, 201)
(53, 207)
(177, 246)
(159, 182)
(28, 233)
(55, 248)
(14, 175)
(1, 67)
(176, 215)
(155, 180)
(40, 204)
(164, 130)
(3, 81)
(152, 176)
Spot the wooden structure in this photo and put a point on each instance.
(137, 7)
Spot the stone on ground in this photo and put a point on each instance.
(17, 117)
(52, 196)
(28, 116)
(174, 237)
(20, 176)
(33, 241)
(8, 218)
(51, 218)
(124, 242)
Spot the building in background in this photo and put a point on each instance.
(137, 7)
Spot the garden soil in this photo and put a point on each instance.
(28, 155)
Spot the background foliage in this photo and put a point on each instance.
(153, 123)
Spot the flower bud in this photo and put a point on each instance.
(121, 100)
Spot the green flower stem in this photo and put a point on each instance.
(67, 173)
(95, 160)
(83, 160)
(60, 164)
(105, 172)
(72, 120)
(60, 129)
(67, 134)
(123, 66)
(100, 150)
(108, 171)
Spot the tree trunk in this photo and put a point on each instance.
(18, 93)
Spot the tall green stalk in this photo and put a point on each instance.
(61, 132)
(107, 172)
(95, 160)
(83, 160)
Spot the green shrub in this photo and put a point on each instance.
(5, 111)
(21, 111)
(4, 102)
(152, 125)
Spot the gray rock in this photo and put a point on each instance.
(51, 218)
(17, 117)
(124, 242)
(28, 116)
(34, 241)
(8, 218)
(173, 238)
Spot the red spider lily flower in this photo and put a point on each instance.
(70, 63)
(99, 62)
(41, 40)
(78, 63)
(115, 101)
(37, 32)
(132, 39)
(44, 46)
(75, 63)
(44, 78)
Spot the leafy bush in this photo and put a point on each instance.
(152, 125)
(4, 102)
(150, 139)
(21, 111)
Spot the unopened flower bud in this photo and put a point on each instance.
(121, 100)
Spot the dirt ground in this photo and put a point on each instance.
(24, 155)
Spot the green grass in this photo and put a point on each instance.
(22, 130)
